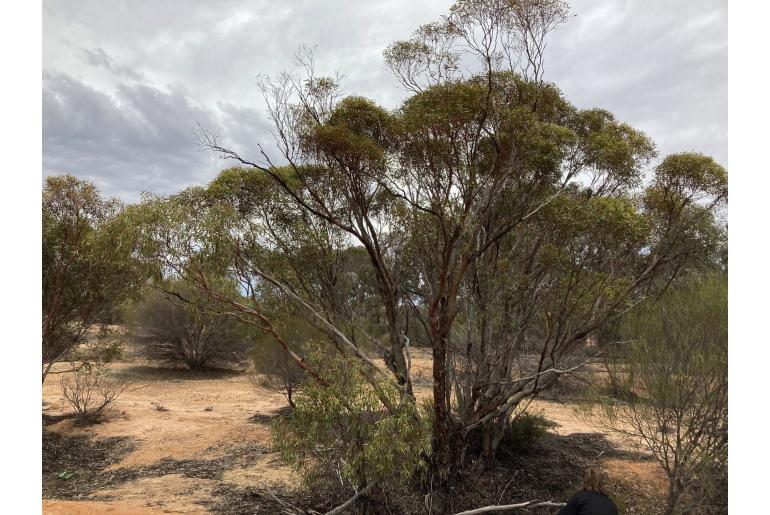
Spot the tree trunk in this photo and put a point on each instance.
(673, 496)
(46, 370)
(289, 394)
(442, 428)
(397, 362)
(487, 449)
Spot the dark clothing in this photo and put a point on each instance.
(589, 503)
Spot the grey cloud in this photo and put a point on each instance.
(139, 139)
(98, 57)
(661, 66)
(127, 81)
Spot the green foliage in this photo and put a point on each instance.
(612, 147)
(245, 190)
(339, 431)
(692, 172)
(89, 266)
(523, 433)
(682, 181)
(64, 475)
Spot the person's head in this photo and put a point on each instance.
(593, 481)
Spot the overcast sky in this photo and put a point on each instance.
(125, 83)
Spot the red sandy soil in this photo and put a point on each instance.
(187, 430)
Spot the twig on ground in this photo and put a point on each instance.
(290, 507)
(500, 498)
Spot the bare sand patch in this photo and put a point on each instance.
(647, 473)
(60, 507)
(172, 493)
(194, 415)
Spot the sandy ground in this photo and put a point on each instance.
(185, 429)
(204, 416)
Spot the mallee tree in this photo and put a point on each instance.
(493, 215)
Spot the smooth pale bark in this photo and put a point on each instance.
(508, 507)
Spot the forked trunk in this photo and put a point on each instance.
(396, 362)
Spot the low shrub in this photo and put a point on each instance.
(89, 393)
(339, 432)
(524, 432)
(183, 327)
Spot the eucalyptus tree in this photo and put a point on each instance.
(89, 267)
(528, 218)
(489, 208)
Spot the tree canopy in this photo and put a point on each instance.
(484, 215)
(89, 267)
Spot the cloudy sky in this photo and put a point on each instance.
(125, 83)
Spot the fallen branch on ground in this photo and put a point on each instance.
(505, 507)
(290, 508)
(347, 504)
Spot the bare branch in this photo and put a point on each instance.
(350, 502)
(508, 507)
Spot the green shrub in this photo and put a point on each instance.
(671, 390)
(272, 367)
(340, 432)
(524, 432)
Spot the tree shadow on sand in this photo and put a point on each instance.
(155, 373)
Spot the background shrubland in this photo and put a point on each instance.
(180, 325)
(671, 390)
